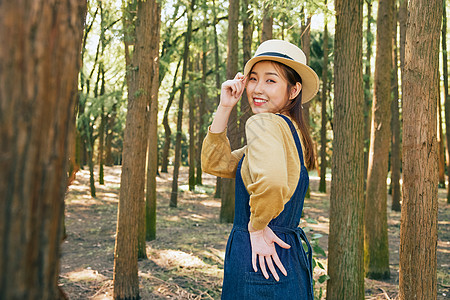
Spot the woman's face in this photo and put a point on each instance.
(266, 88)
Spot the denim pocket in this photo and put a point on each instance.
(258, 287)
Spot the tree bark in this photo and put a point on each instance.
(37, 115)
(368, 87)
(346, 239)
(167, 131)
(323, 130)
(192, 104)
(417, 278)
(267, 22)
(376, 247)
(218, 191)
(395, 123)
(247, 28)
(176, 167)
(227, 207)
(130, 237)
(152, 145)
(446, 96)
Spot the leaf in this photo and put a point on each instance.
(323, 278)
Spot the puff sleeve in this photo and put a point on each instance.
(267, 162)
(217, 158)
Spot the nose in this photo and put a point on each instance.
(258, 87)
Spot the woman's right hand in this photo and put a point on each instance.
(232, 90)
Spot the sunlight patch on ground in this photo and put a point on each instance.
(211, 203)
(86, 275)
(168, 258)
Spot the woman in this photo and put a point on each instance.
(271, 175)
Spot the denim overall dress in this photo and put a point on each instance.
(240, 281)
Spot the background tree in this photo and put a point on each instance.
(376, 247)
(39, 65)
(419, 207)
(395, 122)
(152, 144)
(446, 96)
(131, 204)
(176, 167)
(345, 241)
(227, 207)
(323, 130)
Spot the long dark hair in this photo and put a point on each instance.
(294, 110)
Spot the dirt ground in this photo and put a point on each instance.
(185, 261)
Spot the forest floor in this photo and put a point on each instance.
(185, 261)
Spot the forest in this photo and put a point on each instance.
(104, 106)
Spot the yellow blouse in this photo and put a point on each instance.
(270, 169)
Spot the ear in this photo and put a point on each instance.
(295, 90)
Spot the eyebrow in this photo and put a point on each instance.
(267, 73)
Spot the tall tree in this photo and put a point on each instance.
(395, 121)
(418, 226)
(39, 65)
(167, 131)
(227, 206)
(192, 104)
(346, 239)
(176, 166)
(267, 22)
(368, 85)
(218, 192)
(152, 144)
(440, 141)
(132, 181)
(376, 247)
(323, 129)
(247, 33)
(446, 96)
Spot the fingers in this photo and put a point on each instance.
(278, 263)
(262, 265)
(280, 242)
(255, 268)
(272, 268)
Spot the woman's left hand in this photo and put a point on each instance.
(263, 245)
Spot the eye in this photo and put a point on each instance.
(252, 79)
(271, 80)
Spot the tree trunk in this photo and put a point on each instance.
(152, 145)
(367, 87)
(130, 237)
(111, 120)
(176, 167)
(247, 28)
(218, 191)
(227, 207)
(167, 131)
(101, 133)
(376, 247)
(395, 124)
(267, 22)
(446, 96)
(323, 130)
(202, 106)
(346, 238)
(440, 140)
(417, 278)
(37, 105)
(192, 104)
(306, 46)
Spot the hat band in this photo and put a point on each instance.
(275, 54)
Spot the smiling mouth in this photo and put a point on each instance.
(259, 101)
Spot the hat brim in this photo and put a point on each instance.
(310, 80)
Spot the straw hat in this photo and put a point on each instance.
(289, 55)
